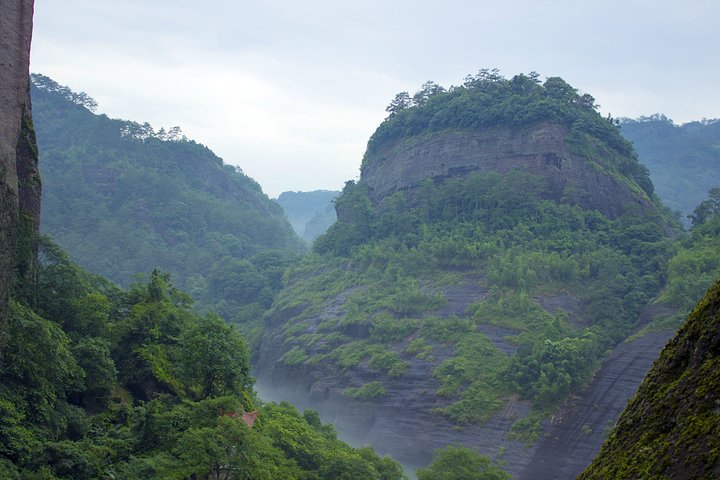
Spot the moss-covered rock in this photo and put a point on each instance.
(671, 429)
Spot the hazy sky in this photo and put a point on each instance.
(291, 90)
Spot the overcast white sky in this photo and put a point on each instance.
(291, 90)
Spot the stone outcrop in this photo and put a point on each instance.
(19, 178)
(539, 149)
(403, 423)
(576, 433)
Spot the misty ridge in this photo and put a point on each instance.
(516, 284)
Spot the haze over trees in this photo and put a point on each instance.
(143, 384)
(125, 199)
(683, 159)
(309, 213)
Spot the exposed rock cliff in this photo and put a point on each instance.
(404, 423)
(540, 149)
(19, 179)
(671, 428)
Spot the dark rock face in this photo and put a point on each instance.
(671, 428)
(538, 149)
(19, 179)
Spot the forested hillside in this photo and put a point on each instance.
(124, 199)
(684, 160)
(97, 382)
(479, 297)
(502, 239)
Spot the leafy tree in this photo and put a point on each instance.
(460, 463)
(220, 453)
(214, 359)
(401, 101)
(707, 208)
(38, 367)
(100, 374)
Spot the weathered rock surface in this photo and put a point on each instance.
(402, 423)
(574, 435)
(671, 427)
(539, 149)
(19, 181)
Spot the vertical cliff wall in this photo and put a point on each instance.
(19, 178)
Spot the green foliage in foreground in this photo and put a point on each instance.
(460, 463)
(670, 429)
(101, 383)
(386, 270)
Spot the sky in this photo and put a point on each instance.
(290, 91)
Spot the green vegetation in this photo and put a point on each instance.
(367, 392)
(460, 463)
(123, 198)
(670, 428)
(142, 385)
(389, 282)
(695, 264)
(102, 383)
(680, 157)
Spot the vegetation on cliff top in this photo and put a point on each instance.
(487, 99)
(671, 428)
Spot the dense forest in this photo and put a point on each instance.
(99, 382)
(124, 199)
(681, 158)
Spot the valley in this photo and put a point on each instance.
(494, 287)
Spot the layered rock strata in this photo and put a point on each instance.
(539, 149)
(19, 178)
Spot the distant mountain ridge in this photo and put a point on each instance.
(309, 213)
(684, 160)
(123, 199)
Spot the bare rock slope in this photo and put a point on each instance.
(540, 149)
